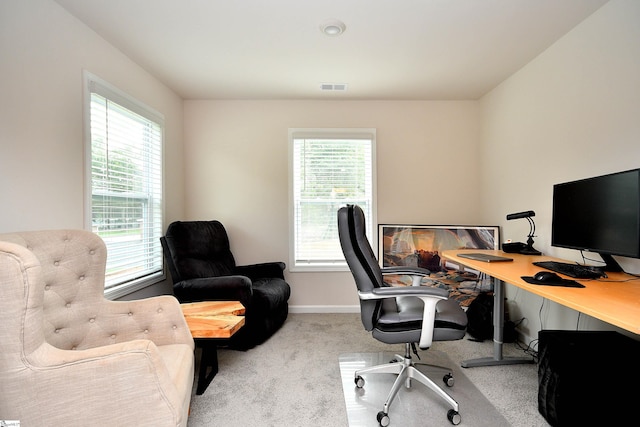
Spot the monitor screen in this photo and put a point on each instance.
(599, 214)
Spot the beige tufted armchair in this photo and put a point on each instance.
(69, 357)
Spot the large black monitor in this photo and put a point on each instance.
(599, 214)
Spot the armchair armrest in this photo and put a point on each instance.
(258, 271)
(224, 288)
(429, 296)
(158, 319)
(123, 374)
(49, 357)
(416, 273)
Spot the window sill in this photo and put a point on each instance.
(127, 288)
(315, 268)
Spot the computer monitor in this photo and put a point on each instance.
(599, 214)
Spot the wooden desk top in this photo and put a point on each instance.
(615, 300)
(213, 319)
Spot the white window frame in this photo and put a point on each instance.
(154, 270)
(338, 264)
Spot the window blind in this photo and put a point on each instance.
(329, 171)
(126, 184)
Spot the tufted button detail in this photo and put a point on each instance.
(130, 313)
(68, 305)
(81, 278)
(47, 287)
(92, 319)
(74, 348)
(146, 331)
(113, 336)
(56, 263)
(160, 310)
(57, 331)
(174, 327)
(92, 252)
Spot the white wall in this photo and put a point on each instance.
(571, 113)
(581, 98)
(43, 51)
(237, 157)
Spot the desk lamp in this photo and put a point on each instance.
(528, 250)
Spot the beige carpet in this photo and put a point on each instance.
(294, 380)
(417, 406)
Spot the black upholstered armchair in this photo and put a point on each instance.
(203, 269)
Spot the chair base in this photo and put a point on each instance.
(404, 368)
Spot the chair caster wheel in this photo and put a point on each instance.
(359, 381)
(383, 419)
(448, 380)
(454, 417)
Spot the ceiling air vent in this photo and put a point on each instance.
(333, 87)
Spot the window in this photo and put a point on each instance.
(330, 168)
(124, 191)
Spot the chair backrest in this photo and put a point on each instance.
(196, 249)
(360, 258)
(64, 290)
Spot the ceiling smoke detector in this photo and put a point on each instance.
(333, 28)
(333, 87)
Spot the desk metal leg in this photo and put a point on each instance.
(498, 329)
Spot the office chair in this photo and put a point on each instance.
(395, 315)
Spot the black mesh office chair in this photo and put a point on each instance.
(395, 315)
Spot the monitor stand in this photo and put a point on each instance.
(611, 264)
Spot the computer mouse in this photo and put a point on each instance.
(546, 276)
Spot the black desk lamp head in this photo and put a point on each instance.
(528, 250)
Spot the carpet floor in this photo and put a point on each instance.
(416, 406)
(294, 379)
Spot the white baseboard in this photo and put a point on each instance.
(324, 309)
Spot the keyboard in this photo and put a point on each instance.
(572, 270)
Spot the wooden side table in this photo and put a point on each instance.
(211, 322)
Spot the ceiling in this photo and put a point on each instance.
(391, 49)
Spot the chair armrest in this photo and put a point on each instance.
(429, 296)
(405, 291)
(406, 270)
(262, 270)
(223, 288)
(158, 319)
(416, 273)
(129, 371)
(47, 356)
